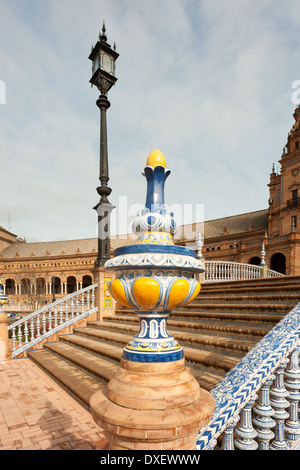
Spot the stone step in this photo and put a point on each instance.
(188, 324)
(82, 339)
(252, 292)
(96, 331)
(260, 285)
(269, 282)
(103, 349)
(206, 379)
(246, 298)
(91, 364)
(78, 384)
(241, 317)
(239, 307)
(198, 339)
(102, 334)
(83, 366)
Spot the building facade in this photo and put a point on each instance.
(35, 273)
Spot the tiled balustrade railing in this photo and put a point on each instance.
(257, 401)
(43, 323)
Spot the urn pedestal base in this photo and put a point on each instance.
(152, 406)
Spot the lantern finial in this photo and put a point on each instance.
(103, 36)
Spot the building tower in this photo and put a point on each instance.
(284, 205)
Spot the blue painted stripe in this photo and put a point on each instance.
(177, 250)
(152, 357)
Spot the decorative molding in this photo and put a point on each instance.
(163, 260)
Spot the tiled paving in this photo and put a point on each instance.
(36, 414)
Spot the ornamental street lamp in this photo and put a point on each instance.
(103, 69)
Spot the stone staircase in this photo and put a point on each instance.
(216, 330)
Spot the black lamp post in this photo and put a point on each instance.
(103, 68)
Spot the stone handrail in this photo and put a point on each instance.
(231, 271)
(257, 401)
(39, 325)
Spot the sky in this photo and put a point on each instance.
(208, 82)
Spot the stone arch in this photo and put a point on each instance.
(86, 281)
(71, 284)
(10, 286)
(278, 263)
(40, 285)
(255, 260)
(57, 285)
(25, 286)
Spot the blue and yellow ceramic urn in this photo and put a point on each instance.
(154, 276)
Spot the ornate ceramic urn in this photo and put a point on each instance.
(154, 276)
(153, 401)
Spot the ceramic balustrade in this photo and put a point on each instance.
(257, 402)
(41, 324)
(263, 413)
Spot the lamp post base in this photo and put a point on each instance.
(152, 406)
(103, 299)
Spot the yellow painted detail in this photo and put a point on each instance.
(117, 290)
(155, 238)
(155, 158)
(196, 292)
(163, 347)
(146, 291)
(179, 291)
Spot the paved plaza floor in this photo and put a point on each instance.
(37, 414)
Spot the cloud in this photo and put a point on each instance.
(209, 83)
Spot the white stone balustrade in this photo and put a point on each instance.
(46, 321)
(231, 271)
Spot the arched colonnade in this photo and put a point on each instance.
(46, 286)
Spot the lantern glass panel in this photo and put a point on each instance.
(96, 63)
(107, 63)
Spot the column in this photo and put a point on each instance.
(103, 299)
(4, 348)
(263, 413)
(245, 431)
(279, 403)
(292, 384)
